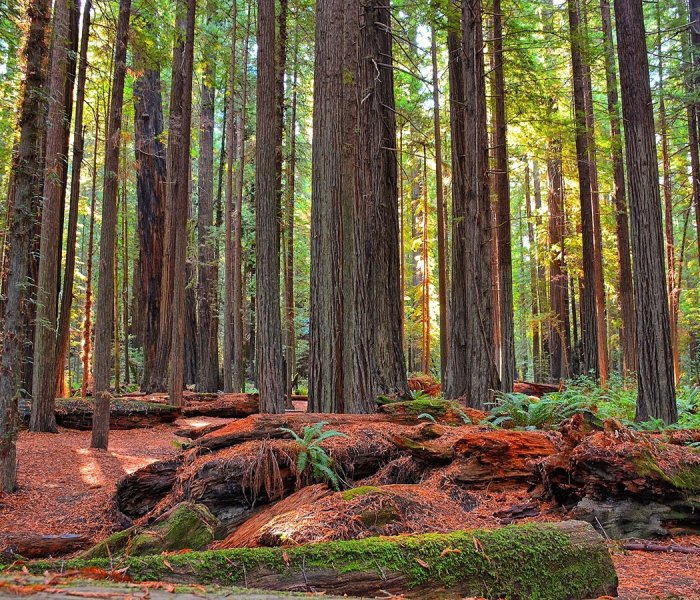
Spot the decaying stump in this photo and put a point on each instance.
(563, 561)
(30, 545)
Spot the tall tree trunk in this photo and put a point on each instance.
(534, 283)
(628, 336)
(350, 141)
(125, 268)
(239, 366)
(558, 284)
(58, 130)
(178, 193)
(326, 335)
(378, 365)
(671, 280)
(656, 391)
(589, 323)
(150, 196)
(505, 262)
(27, 181)
(471, 370)
(87, 321)
(290, 341)
(425, 259)
(104, 314)
(441, 216)
(694, 109)
(208, 324)
(228, 312)
(63, 337)
(601, 323)
(268, 324)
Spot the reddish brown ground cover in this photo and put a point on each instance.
(65, 487)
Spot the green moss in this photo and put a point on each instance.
(362, 490)
(188, 526)
(432, 406)
(516, 562)
(686, 478)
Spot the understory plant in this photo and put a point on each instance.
(617, 400)
(312, 456)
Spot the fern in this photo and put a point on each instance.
(312, 456)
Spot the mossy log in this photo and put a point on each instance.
(564, 561)
(448, 412)
(187, 526)
(125, 413)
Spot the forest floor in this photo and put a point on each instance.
(67, 488)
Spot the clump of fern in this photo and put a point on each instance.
(521, 411)
(311, 456)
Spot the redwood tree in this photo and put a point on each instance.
(327, 342)
(471, 366)
(656, 395)
(268, 325)
(27, 181)
(104, 313)
(589, 329)
(60, 91)
(377, 353)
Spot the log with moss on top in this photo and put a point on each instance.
(563, 561)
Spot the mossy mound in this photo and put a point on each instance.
(564, 561)
(441, 411)
(187, 526)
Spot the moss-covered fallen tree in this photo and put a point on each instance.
(563, 561)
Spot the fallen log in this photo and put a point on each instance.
(624, 479)
(194, 433)
(226, 406)
(538, 390)
(125, 413)
(140, 491)
(234, 480)
(480, 457)
(648, 547)
(563, 561)
(31, 545)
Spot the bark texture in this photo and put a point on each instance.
(327, 339)
(377, 353)
(268, 325)
(104, 314)
(471, 367)
(655, 377)
(27, 178)
(589, 328)
(150, 197)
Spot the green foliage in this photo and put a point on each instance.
(523, 411)
(312, 456)
(427, 416)
(583, 395)
(420, 395)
